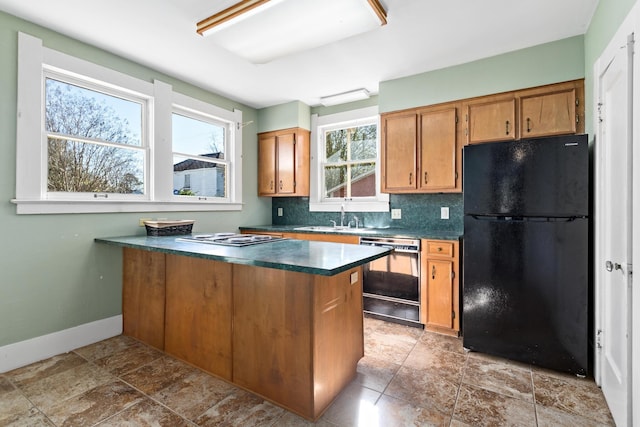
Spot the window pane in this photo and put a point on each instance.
(77, 111)
(197, 137)
(195, 177)
(363, 142)
(335, 179)
(84, 167)
(363, 180)
(336, 146)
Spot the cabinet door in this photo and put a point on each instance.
(198, 313)
(266, 165)
(438, 150)
(491, 121)
(399, 153)
(440, 309)
(286, 165)
(548, 114)
(143, 296)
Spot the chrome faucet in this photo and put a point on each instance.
(341, 215)
(356, 220)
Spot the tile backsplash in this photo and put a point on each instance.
(421, 211)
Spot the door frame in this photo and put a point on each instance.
(630, 25)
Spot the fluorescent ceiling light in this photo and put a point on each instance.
(341, 98)
(263, 30)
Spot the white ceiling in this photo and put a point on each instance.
(421, 35)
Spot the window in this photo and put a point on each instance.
(199, 164)
(96, 140)
(350, 161)
(345, 170)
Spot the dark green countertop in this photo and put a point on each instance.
(372, 232)
(326, 259)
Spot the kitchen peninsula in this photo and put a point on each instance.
(281, 319)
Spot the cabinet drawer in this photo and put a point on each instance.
(440, 248)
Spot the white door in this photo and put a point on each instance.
(613, 239)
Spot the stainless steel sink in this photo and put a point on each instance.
(336, 229)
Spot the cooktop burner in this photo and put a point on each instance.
(231, 239)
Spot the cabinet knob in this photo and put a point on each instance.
(426, 174)
(281, 184)
(528, 124)
(271, 185)
(433, 272)
(410, 178)
(507, 127)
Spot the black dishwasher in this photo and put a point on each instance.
(391, 285)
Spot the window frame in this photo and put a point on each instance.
(32, 197)
(317, 201)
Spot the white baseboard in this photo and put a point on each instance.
(23, 353)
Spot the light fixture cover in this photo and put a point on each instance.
(275, 28)
(341, 98)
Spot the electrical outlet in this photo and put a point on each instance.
(142, 220)
(279, 211)
(396, 213)
(444, 212)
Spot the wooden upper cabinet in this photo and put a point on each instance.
(420, 151)
(439, 150)
(548, 113)
(267, 165)
(399, 152)
(491, 120)
(283, 163)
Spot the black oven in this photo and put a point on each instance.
(391, 285)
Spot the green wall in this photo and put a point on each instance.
(543, 64)
(284, 116)
(53, 276)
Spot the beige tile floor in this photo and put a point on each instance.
(408, 377)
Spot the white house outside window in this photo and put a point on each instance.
(345, 169)
(199, 155)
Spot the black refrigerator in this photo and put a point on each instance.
(526, 251)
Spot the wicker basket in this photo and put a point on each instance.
(169, 228)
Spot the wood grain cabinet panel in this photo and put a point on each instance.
(283, 163)
(438, 150)
(285, 345)
(548, 114)
(491, 120)
(143, 296)
(198, 313)
(420, 151)
(440, 286)
(399, 152)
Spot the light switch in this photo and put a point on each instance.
(444, 212)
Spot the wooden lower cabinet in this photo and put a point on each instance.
(440, 286)
(297, 337)
(143, 296)
(293, 338)
(198, 313)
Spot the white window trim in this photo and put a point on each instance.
(317, 203)
(31, 157)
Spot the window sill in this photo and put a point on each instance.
(378, 206)
(26, 207)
